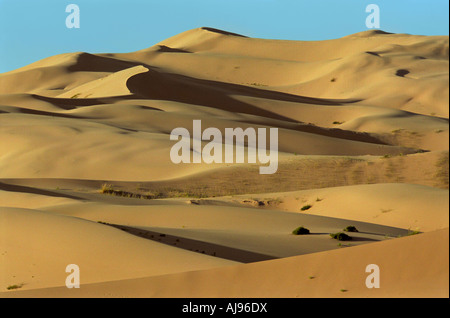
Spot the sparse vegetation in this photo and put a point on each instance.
(338, 122)
(442, 170)
(76, 95)
(11, 287)
(127, 194)
(340, 236)
(306, 207)
(334, 79)
(169, 193)
(350, 228)
(257, 84)
(300, 231)
(412, 232)
(274, 201)
(298, 174)
(106, 188)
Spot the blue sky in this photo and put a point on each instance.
(34, 29)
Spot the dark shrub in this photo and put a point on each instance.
(300, 231)
(340, 236)
(350, 228)
(306, 207)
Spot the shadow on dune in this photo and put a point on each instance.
(166, 49)
(73, 103)
(362, 239)
(341, 134)
(373, 53)
(166, 86)
(87, 62)
(223, 32)
(174, 87)
(45, 113)
(156, 85)
(184, 89)
(206, 248)
(25, 189)
(237, 106)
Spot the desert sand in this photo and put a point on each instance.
(86, 177)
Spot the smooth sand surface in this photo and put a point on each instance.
(86, 176)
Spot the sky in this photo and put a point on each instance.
(31, 30)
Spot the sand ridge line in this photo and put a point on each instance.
(207, 248)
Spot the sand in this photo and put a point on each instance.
(402, 275)
(363, 140)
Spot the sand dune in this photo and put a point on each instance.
(407, 206)
(363, 140)
(406, 266)
(102, 252)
